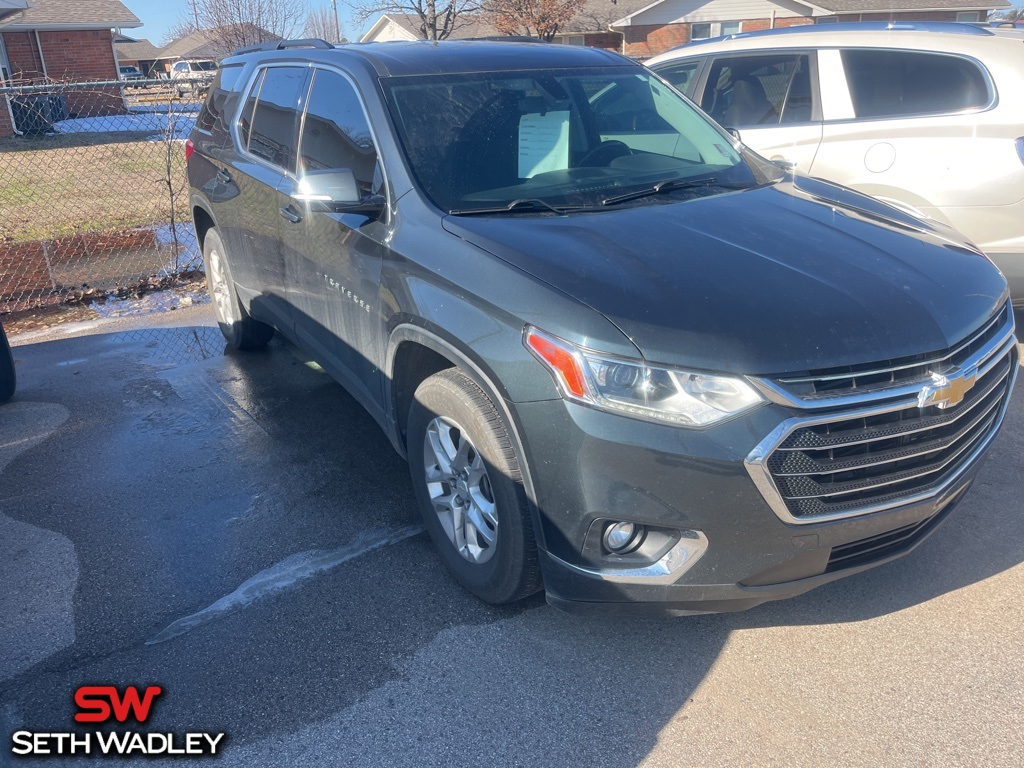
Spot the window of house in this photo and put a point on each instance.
(705, 30)
(275, 120)
(968, 16)
(336, 134)
(700, 31)
(573, 40)
(5, 65)
(897, 83)
(745, 91)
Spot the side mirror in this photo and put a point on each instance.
(336, 191)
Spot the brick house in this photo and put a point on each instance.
(141, 54)
(667, 23)
(62, 40)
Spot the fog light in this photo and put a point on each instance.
(620, 537)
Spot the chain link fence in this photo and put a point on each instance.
(93, 191)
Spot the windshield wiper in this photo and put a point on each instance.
(523, 205)
(662, 186)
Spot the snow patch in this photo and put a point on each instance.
(285, 575)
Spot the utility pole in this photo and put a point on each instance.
(195, 14)
(337, 24)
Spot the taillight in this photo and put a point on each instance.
(190, 149)
(1020, 148)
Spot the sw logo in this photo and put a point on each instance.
(99, 702)
(103, 704)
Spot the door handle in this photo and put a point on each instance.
(289, 213)
(224, 176)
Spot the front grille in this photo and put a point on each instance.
(873, 449)
(891, 374)
(846, 463)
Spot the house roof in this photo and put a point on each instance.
(137, 50)
(196, 45)
(204, 45)
(410, 23)
(75, 14)
(597, 15)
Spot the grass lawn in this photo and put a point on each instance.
(55, 186)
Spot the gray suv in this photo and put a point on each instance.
(628, 361)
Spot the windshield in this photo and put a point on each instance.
(568, 138)
(203, 66)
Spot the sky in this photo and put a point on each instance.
(159, 16)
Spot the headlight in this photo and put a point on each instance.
(633, 388)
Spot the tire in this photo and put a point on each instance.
(8, 378)
(240, 331)
(492, 552)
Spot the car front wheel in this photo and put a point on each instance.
(468, 482)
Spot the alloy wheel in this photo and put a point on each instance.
(460, 490)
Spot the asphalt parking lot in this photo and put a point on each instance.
(236, 530)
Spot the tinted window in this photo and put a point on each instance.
(679, 74)
(275, 122)
(759, 90)
(213, 110)
(893, 83)
(245, 121)
(336, 134)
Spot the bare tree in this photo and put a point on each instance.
(436, 19)
(322, 23)
(533, 18)
(231, 24)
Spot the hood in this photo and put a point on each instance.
(796, 276)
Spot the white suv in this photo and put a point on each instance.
(928, 117)
(193, 75)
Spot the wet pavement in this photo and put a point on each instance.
(235, 529)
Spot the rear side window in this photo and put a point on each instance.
(273, 135)
(335, 134)
(245, 121)
(679, 74)
(902, 83)
(213, 110)
(759, 90)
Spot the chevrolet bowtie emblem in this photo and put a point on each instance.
(944, 392)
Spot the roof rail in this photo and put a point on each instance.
(949, 27)
(280, 45)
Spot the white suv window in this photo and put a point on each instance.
(886, 83)
(759, 90)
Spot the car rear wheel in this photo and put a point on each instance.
(240, 330)
(468, 482)
(8, 378)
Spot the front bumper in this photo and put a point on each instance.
(589, 466)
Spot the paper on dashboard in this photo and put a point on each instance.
(543, 143)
